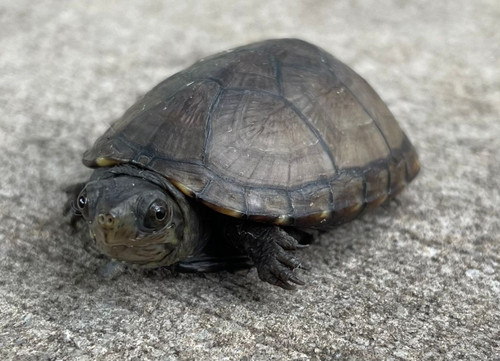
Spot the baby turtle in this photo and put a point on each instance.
(235, 159)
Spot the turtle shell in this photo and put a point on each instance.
(278, 131)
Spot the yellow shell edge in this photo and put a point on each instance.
(188, 192)
(106, 162)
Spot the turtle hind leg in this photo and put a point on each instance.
(271, 250)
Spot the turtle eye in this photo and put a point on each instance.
(82, 201)
(157, 214)
(160, 213)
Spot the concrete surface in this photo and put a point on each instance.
(415, 280)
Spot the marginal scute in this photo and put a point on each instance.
(347, 192)
(283, 220)
(106, 162)
(412, 162)
(278, 131)
(376, 186)
(412, 167)
(347, 189)
(223, 210)
(397, 168)
(183, 188)
(315, 220)
(267, 202)
(108, 150)
(313, 199)
(187, 176)
(229, 196)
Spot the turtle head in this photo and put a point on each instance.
(135, 219)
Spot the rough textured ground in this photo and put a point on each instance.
(415, 280)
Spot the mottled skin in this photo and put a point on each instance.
(273, 138)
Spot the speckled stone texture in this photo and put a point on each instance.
(417, 279)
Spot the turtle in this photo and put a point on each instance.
(240, 160)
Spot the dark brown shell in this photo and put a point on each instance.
(277, 131)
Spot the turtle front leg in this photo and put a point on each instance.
(270, 248)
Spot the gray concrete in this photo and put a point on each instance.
(415, 280)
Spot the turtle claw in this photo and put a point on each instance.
(288, 276)
(271, 249)
(280, 276)
(277, 267)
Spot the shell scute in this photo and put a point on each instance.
(278, 131)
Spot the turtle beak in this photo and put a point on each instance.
(106, 228)
(110, 230)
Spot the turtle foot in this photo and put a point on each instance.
(276, 264)
(271, 249)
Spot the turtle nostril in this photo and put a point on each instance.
(106, 220)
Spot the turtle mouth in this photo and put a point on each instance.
(126, 238)
(147, 256)
(149, 251)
